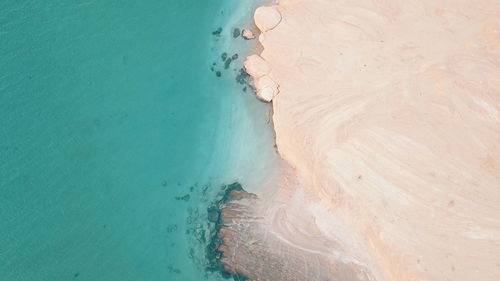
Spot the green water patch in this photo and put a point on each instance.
(109, 118)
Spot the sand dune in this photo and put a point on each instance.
(388, 112)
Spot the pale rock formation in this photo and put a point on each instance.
(266, 18)
(259, 70)
(267, 89)
(256, 67)
(248, 34)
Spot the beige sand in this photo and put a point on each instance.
(388, 110)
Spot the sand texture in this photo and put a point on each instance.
(388, 113)
(264, 239)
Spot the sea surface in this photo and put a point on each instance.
(117, 133)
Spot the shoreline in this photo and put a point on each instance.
(249, 132)
(375, 190)
(242, 132)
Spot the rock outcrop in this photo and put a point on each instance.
(260, 71)
(247, 34)
(262, 244)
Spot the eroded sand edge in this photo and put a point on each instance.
(388, 114)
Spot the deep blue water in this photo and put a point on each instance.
(115, 135)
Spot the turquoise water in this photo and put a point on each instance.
(115, 135)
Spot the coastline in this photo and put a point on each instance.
(242, 132)
(367, 109)
(115, 135)
(248, 132)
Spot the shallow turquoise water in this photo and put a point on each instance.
(110, 116)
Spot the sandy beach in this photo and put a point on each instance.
(387, 113)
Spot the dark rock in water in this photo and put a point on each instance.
(218, 73)
(236, 32)
(242, 77)
(217, 32)
(171, 228)
(223, 56)
(183, 198)
(227, 63)
(213, 214)
(172, 269)
(235, 57)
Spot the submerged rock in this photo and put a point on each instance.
(183, 198)
(227, 63)
(242, 77)
(236, 32)
(213, 214)
(217, 32)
